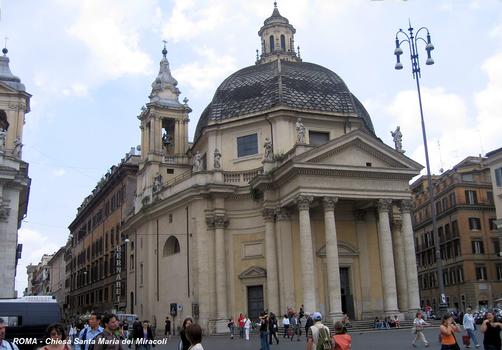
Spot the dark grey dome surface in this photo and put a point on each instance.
(298, 85)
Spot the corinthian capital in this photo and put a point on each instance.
(384, 205)
(303, 202)
(328, 203)
(210, 222)
(282, 214)
(220, 221)
(268, 214)
(406, 206)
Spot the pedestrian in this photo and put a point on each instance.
(136, 332)
(125, 328)
(194, 334)
(318, 334)
(167, 327)
(418, 327)
(447, 331)
(90, 332)
(264, 331)
(272, 328)
(491, 330)
(309, 322)
(72, 333)
(247, 327)
(346, 320)
(55, 336)
(5, 344)
(241, 321)
(397, 323)
(285, 325)
(470, 327)
(185, 343)
(108, 340)
(147, 336)
(342, 340)
(231, 327)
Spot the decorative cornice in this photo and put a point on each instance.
(268, 214)
(329, 203)
(406, 206)
(384, 205)
(303, 202)
(4, 213)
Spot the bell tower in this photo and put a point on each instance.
(277, 39)
(164, 133)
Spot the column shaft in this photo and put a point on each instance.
(387, 258)
(286, 272)
(271, 261)
(401, 279)
(307, 254)
(410, 258)
(221, 274)
(333, 266)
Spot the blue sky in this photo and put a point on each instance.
(89, 65)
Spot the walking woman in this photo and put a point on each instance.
(491, 330)
(272, 328)
(447, 331)
(55, 336)
(418, 328)
(194, 334)
(185, 343)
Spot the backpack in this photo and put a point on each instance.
(324, 341)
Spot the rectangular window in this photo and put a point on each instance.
(467, 177)
(247, 145)
(499, 272)
(470, 197)
(493, 225)
(481, 274)
(474, 224)
(489, 197)
(496, 245)
(318, 138)
(498, 177)
(452, 199)
(477, 247)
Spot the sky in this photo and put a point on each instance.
(89, 65)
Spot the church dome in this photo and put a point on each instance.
(296, 85)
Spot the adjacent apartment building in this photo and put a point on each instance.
(469, 243)
(39, 277)
(95, 255)
(494, 161)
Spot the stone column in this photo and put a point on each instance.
(401, 279)
(368, 308)
(212, 266)
(286, 271)
(333, 267)
(410, 257)
(306, 254)
(221, 273)
(271, 261)
(386, 258)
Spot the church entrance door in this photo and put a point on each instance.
(255, 302)
(347, 298)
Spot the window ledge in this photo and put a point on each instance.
(245, 158)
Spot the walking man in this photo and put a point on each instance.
(468, 323)
(318, 334)
(88, 333)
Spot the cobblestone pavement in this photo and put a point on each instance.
(380, 340)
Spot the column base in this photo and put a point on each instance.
(335, 316)
(219, 326)
(397, 313)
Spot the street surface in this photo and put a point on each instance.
(378, 340)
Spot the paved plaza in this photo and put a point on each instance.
(378, 340)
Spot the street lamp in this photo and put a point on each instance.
(412, 41)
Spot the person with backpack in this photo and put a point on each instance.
(89, 333)
(5, 344)
(342, 340)
(318, 336)
(108, 340)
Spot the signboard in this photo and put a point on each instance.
(118, 268)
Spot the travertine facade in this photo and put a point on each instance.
(14, 180)
(315, 223)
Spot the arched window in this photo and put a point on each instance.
(4, 124)
(283, 43)
(171, 247)
(272, 44)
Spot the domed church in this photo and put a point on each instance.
(286, 198)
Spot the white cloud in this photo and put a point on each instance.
(35, 244)
(76, 89)
(111, 32)
(59, 172)
(203, 75)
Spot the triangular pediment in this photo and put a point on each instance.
(344, 249)
(357, 149)
(253, 272)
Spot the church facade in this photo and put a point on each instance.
(286, 197)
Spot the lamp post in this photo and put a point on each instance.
(413, 40)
